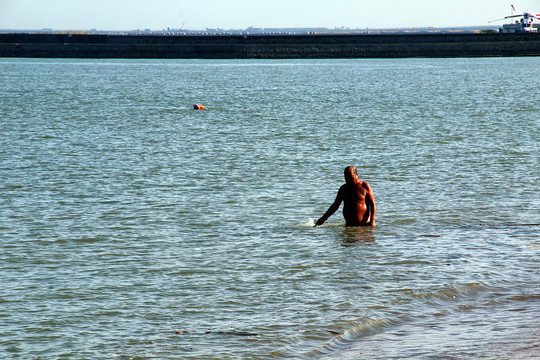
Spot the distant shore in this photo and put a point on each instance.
(438, 45)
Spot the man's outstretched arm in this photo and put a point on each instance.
(331, 210)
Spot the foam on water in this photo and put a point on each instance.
(309, 223)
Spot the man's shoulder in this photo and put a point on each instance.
(364, 185)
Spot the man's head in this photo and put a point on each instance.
(351, 175)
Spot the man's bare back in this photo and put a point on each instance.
(358, 201)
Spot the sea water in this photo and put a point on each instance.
(134, 227)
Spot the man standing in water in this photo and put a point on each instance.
(359, 201)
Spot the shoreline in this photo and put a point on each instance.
(440, 45)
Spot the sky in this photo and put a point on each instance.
(240, 14)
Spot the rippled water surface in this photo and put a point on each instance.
(134, 227)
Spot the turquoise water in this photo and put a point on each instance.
(134, 227)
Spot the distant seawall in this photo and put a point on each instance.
(268, 46)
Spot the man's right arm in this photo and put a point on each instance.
(331, 210)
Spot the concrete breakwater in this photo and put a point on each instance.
(268, 46)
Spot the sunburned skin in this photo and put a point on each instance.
(358, 201)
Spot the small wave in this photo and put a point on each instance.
(376, 326)
(448, 292)
(507, 225)
(366, 328)
(525, 297)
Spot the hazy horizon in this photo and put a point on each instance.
(123, 15)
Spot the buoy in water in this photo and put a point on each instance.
(198, 107)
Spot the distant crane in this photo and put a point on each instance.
(184, 23)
